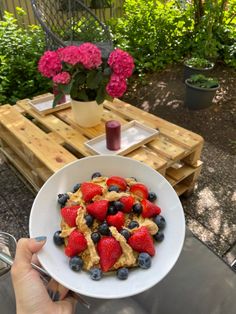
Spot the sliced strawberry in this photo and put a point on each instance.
(139, 190)
(98, 209)
(69, 214)
(89, 190)
(149, 209)
(128, 202)
(117, 181)
(76, 243)
(109, 251)
(141, 241)
(117, 220)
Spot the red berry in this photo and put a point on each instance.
(76, 243)
(128, 202)
(89, 190)
(117, 220)
(98, 209)
(139, 190)
(69, 215)
(149, 209)
(141, 241)
(117, 181)
(109, 251)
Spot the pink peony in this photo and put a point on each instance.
(49, 64)
(121, 63)
(62, 78)
(91, 56)
(116, 86)
(70, 54)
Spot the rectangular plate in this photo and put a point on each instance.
(133, 135)
(43, 105)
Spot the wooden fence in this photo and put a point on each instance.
(29, 18)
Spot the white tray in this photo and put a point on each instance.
(43, 104)
(133, 135)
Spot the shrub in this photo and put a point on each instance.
(20, 50)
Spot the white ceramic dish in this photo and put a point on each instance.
(45, 220)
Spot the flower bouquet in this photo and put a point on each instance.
(81, 72)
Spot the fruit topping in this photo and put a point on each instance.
(139, 190)
(76, 187)
(152, 196)
(109, 251)
(118, 205)
(98, 209)
(62, 198)
(137, 208)
(160, 222)
(141, 241)
(113, 188)
(95, 273)
(144, 260)
(111, 209)
(76, 243)
(96, 175)
(76, 263)
(117, 220)
(89, 220)
(95, 236)
(89, 190)
(117, 181)
(122, 273)
(159, 236)
(149, 209)
(104, 229)
(57, 239)
(133, 224)
(128, 202)
(69, 215)
(126, 234)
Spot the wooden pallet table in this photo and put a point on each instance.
(37, 146)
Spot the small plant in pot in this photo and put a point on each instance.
(197, 65)
(200, 91)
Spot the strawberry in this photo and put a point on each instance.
(98, 209)
(89, 190)
(141, 241)
(149, 209)
(76, 243)
(109, 251)
(139, 190)
(117, 181)
(128, 202)
(69, 214)
(117, 220)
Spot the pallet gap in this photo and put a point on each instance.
(72, 150)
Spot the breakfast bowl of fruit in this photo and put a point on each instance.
(115, 227)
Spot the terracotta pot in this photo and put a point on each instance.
(87, 113)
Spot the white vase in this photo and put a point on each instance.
(87, 113)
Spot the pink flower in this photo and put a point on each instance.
(49, 64)
(116, 86)
(62, 78)
(70, 54)
(121, 63)
(90, 55)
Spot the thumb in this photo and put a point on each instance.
(24, 252)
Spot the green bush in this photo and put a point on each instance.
(20, 49)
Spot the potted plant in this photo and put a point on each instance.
(200, 91)
(197, 65)
(81, 72)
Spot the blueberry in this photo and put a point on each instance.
(160, 222)
(113, 188)
(57, 239)
(76, 187)
(122, 273)
(96, 175)
(144, 260)
(118, 205)
(95, 273)
(89, 220)
(133, 224)
(62, 198)
(137, 208)
(76, 263)
(159, 236)
(95, 236)
(152, 196)
(111, 210)
(104, 229)
(125, 233)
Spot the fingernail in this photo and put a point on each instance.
(40, 239)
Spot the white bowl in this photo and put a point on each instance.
(45, 220)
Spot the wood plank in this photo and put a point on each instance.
(48, 152)
(181, 173)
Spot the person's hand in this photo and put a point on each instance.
(31, 293)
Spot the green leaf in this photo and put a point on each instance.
(82, 95)
(56, 99)
(101, 95)
(94, 78)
